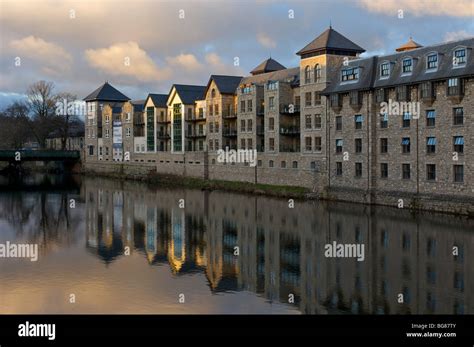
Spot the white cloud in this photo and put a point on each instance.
(265, 40)
(126, 59)
(49, 55)
(456, 35)
(188, 62)
(459, 8)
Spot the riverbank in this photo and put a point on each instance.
(148, 172)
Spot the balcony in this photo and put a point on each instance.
(289, 109)
(290, 148)
(260, 110)
(163, 135)
(163, 121)
(260, 130)
(195, 134)
(292, 130)
(229, 132)
(229, 113)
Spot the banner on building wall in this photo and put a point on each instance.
(117, 134)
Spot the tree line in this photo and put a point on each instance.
(36, 118)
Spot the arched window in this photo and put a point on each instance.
(213, 93)
(317, 73)
(307, 75)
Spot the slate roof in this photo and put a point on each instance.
(330, 39)
(159, 100)
(268, 65)
(225, 84)
(106, 93)
(291, 75)
(189, 93)
(369, 68)
(138, 105)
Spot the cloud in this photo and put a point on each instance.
(459, 8)
(126, 59)
(186, 61)
(265, 40)
(456, 35)
(49, 55)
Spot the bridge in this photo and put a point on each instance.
(13, 156)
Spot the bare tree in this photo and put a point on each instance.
(67, 118)
(42, 104)
(14, 131)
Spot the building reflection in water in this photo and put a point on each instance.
(281, 250)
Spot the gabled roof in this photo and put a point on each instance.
(330, 39)
(268, 65)
(409, 46)
(159, 100)
(188, 93)
(106, 93)
(291, 75)
(225, 84)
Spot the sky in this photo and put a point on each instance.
(144, 46)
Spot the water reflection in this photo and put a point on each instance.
(245, 248)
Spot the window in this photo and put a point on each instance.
(453, 86)
(270, 163)
(427, 91)
(358, 170)
(358, 119)
(242, 107)
(271, 102)
(249, 125)
(294, 164)
(317, 98)
(211, 145)
(350, 74)
(358, 145)
(211, 109)
(431, 145)
(242, 143)
(216, 127)
(384, 121)
(271, 144)
(307, 99)
(272, 85)
(459, 57)
(308, 144)
(317, 121)
(458, 173)
(91, 150)
(458, 142)
(384, 145)
(339, 144)
(317, 144)
(430, 118)
(271, 123)
(431, 172)
(317, 73)
(406, 120)
(383, 170)
(339, 168)
(406, 171)
(216, 110)
(406, 145)
(402, 93)
(432, 61)
(213, 93)
(283, 164)
(338, 123)
(458, 116)
(249, 106)
(249, 144)
(242, 125)
(385, 69)
(308, 121)
(190, 112)
(407, 65)
(128, 132)
(107, 133)
(307, 75)
(216, 144)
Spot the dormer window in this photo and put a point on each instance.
(350, 74)
(407, 66)
(459, 58)
(432, 61)
(385, 69)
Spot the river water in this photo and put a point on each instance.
(107, 246)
